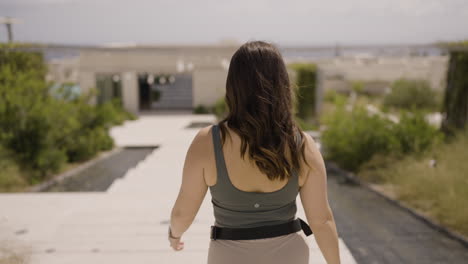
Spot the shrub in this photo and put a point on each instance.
(49, 160)
(411, 95)
(88, 143)
(201, 109)
(220, 108)
(415, 134)
(334, 97)
(353, 138)
(111, 114)
(11, 177)
(43, 129)
(357, 87)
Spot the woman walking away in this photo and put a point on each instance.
(255, 162)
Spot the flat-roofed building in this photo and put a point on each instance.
(156, 77)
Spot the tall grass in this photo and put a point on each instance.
(441, 192)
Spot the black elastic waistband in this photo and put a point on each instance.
(261, 231)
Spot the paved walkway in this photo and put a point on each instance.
(128, 223)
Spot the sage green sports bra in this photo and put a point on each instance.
(240, 209)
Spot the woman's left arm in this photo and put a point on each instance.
(193, 188)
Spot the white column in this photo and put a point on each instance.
(130, 92)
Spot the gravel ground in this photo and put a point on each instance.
(99, 176)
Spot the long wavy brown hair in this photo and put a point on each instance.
(259, 97)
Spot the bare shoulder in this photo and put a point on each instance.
(312, 156)
(202, 139)
(203, 153)
(310, 144)
(205, 132)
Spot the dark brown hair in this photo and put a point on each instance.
(259, 97)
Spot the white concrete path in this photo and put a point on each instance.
(128, 223)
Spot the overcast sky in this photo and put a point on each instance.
(285, 22)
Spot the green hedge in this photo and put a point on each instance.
(306, 82)
(455, 104)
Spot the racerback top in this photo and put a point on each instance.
(240, 209)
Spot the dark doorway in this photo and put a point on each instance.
(144, 89)
(165, 91)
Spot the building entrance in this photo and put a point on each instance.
(165, 91)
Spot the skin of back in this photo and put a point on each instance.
(313, 194)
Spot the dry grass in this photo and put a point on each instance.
(440, 192)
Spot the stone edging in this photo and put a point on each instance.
(350, 176)
(71, 172)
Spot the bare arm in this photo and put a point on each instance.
(314, 199)
(193, 188)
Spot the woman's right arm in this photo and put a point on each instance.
(314, 199)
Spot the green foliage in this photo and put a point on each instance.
(220, 108)
(439, 191)
(110, 114)
(455, 104)
(358, 87)
(411, 95)
(334, 97)
(306, 81)
(11, 178)
(30, 63)
(201, 109)
(306, 125)
(415, 134)
(45, 130)
(353, 138)
(88, 143)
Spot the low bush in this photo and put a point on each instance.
(111, 113)
(411, 95)
(11, 178)
(352, 138)
(415, 134)
(334, 97)
(44, 130)
(220, 108)
(201, 109)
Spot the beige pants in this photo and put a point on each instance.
(290, 249)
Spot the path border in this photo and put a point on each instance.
(60, 177)
(352, 177)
